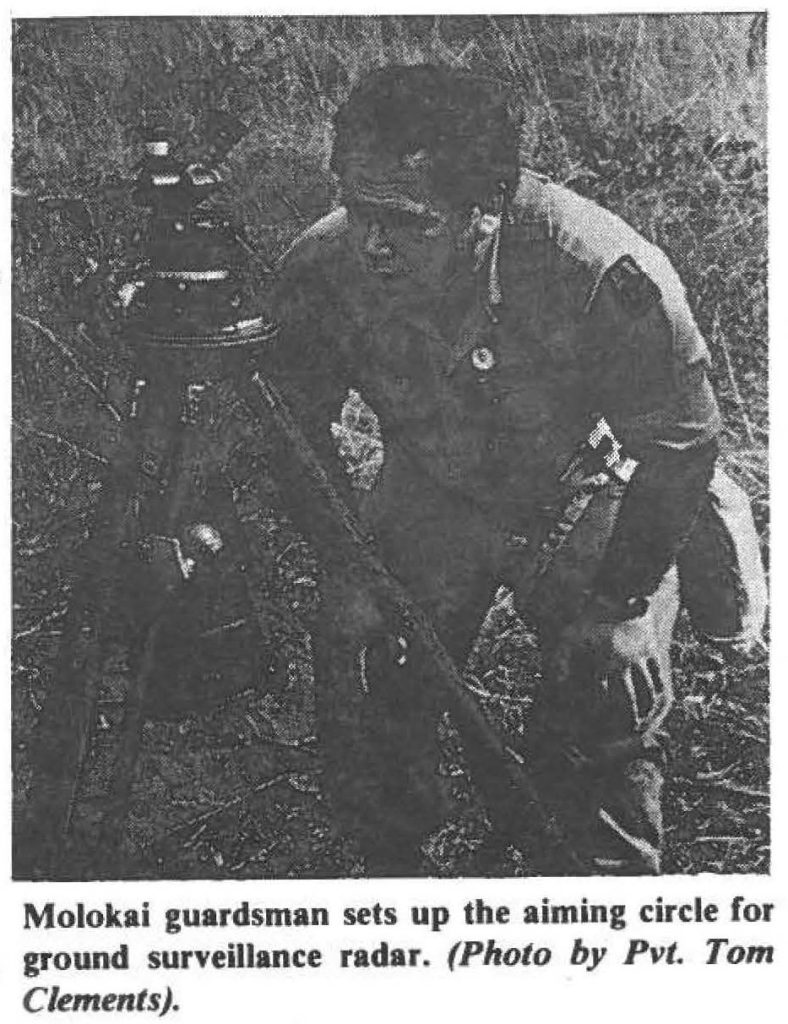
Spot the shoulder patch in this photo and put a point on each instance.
(602, 241)
(634, 288)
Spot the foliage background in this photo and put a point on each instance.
(659, 118)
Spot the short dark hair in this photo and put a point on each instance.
(459, 119)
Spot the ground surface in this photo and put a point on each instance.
(660, 120)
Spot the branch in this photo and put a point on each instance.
(54, 616)
(59, 439)
(70, 357)
(234, 801)
(732, 787)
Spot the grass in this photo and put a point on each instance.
(661, 119)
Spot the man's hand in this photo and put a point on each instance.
(610, 673)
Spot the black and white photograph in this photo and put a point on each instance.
(390, 436)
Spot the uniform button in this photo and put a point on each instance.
(483, 358)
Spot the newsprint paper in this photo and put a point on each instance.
(391, 579)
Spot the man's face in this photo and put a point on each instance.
(407, 252)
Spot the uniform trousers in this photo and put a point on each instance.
(594, 742)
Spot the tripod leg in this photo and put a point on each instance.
(65, 730)
(91, 721)
(120, 765)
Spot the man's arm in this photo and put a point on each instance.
(656, 517)
(664, 411)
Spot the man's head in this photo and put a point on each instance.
(417, 147)
(445, 135)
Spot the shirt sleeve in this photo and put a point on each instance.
(657, 514)
(652, 369)
(650, 364)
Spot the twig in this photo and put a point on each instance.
(721, 839)
(751, 736)
(67, 354)
(17, 192)
(732, 787)
(87, 338)
(285, 550)
(59, 439)
(193, 839)
(718, 336)
(234, 801)
(254, 725)
(714, 776)
(225, 628)
(292, 207)
(261, 855)
(481, 691)
(307, 744)
(58, 613)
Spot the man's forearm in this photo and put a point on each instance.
(656, 516)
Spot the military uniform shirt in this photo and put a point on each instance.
(593, 320)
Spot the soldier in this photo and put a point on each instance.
(499, 326)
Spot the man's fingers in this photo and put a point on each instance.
(627, 679)
(655, 675)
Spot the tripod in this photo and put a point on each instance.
(166, 600)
